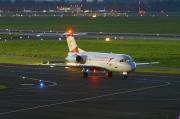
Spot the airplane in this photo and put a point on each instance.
(96, 61)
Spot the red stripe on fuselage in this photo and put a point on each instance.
(75, 50)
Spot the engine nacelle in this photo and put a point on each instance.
(74, 58)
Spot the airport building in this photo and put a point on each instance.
(69, 9)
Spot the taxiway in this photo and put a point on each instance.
(29, 34)
(65, 95)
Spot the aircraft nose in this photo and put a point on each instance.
(130, 67)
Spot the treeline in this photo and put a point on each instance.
(155, 6)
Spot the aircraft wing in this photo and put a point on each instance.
(139, 64)
(68, 65)
(74, 65)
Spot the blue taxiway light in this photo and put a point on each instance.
(41, 84)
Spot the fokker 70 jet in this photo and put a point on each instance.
(90, 61)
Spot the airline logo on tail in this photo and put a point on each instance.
(72, 44)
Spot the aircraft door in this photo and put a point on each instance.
(114, 65)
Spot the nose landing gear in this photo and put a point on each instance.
(124, 76)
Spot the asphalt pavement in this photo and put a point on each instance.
(37, 92)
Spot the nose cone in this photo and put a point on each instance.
(130, 67)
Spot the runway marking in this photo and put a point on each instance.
(47, 68)
(27, 84)
(53, 83)
(90, 98)
(62, 70)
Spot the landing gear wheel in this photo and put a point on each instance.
(84, 74)
(108, 74)
(124, 76)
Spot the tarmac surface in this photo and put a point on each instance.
(38, 92)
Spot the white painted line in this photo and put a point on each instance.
(27, 84)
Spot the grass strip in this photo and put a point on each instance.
(157, 70)
(15, 60)
(122, 24)
(7, 36)
(2, 87)
(164, 51)
(28, 60)
(23, 61)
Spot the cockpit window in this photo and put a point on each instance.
(126, 59)
(122, 60)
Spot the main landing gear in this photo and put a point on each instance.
(124, 76)
(108, 74)
(84, 74)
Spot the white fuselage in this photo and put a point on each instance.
(109, 61)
